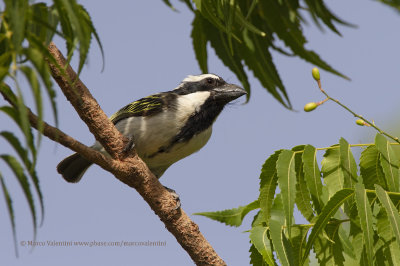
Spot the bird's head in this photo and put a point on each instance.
(219, 90)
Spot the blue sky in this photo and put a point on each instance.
(148, 49)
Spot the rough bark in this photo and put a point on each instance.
(128, 168)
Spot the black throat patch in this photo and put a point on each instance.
(197, 123)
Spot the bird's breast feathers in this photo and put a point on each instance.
(152, 135)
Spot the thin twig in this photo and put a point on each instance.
(356, 115)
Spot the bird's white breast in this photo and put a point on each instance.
(152, 133)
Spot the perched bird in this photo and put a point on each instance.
(168, 126)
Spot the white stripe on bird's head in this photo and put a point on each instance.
(192, 78)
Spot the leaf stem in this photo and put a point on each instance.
(372, 124)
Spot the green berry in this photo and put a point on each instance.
(315, 73)
(310, 106)
(360, 122)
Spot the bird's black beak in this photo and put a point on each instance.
(228, 92)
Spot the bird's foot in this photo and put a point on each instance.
(175, 196)
(128, 146)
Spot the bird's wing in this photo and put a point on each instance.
(147, 106)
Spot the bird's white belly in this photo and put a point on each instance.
(179, 150)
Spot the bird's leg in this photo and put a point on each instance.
(129, 145)
(175, 196)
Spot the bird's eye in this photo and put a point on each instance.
(210, 81)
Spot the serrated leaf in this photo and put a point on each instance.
(232, 217)
(86, 17)
(15, 10)
(277, 211)
(298, 240)
(289, 31)
(259, 238)
(10, 210)
(312, 176)
(168, 3)
(365, 214)
(259, 60)
(371, 169)
(19, 115)
(3, 73)
(303, 199)
(392, 212)
(389, 162)
(255, 257)
(348, 164)
(332, 171)
(334, 244)
(322, 250)
(29, 166)
(389, 247)
(81, 29)
(258, 219)
(285, 167)
(268, 183)
(36, 56)
(281, 244)
(23, 181)
(219, 42)
(200, 43)
(33, 81)
(328, 211)
(346, 244)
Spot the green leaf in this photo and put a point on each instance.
(365, 214)
(332, 171)
(281, 244)
(389, 162)
(232, 217)
(285, 167)
(277, 211)
(29, 166)
(19, 115)
(10, 210)
(334, 244)
(313, 176)
(346, 244)
(277, 18)
(86, 17)
(14, 142)
(23, 181)
(268, 183)
(255, 257)
(219, 42)
(258, 219)
(389, 247)
(298, 240)
(259, 60)
(328, 211)
(33, 81)
(16, 10)
(371, 169)
(303, 200)
(391, 211)
(200, 43)
(36, 57)
(348, 164)
(168, 3)
(259, 238)
(81, 29)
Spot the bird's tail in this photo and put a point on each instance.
(73, 167)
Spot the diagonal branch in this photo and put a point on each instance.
(129, 169)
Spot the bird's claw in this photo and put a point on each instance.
(175, 196)
(129, 145)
